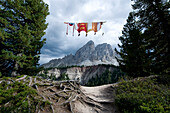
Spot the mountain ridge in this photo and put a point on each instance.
(87, 55)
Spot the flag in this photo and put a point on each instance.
(82, 27)
(94, 26)
(70, 24)
(89, 28)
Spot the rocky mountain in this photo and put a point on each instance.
(87, 55)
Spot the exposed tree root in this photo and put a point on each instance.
(65, 96)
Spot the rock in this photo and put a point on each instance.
(87, 55)
(82, 74)
(85, 52)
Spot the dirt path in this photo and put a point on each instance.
(102, 99)
(99, 93)
(70, 97)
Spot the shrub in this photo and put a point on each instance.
(63, 76)
(143, 96)
(17, 97)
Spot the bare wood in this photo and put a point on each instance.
(30, 81)
(21, 78)
(52, 109)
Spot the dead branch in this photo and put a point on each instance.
(52, 109)
(30, 81)
(21, 78)
(35, 80)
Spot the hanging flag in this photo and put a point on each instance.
(94, 26)
(101, 23)
(70, 24)
(89, 27)
(82, 27)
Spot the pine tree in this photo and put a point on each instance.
(22, 25)
(154, 17)
(133, 59)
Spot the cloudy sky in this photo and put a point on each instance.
(58, 44)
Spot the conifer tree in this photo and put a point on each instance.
(133, 59)
(22, 25)
(154, 17)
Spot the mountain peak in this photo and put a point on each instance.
(87, 55)
(90, 43)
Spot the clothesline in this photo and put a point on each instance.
(85, 26)
(85, 21)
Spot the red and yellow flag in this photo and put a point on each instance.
(82, 27)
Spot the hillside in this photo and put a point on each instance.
(84, 73)
(55, 97)
(145, 94)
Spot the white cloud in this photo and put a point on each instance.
(58, 44)
(45, 58)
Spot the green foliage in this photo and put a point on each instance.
(66, 67)
(133, 58)
(108, 65)
(154, 18)
(63, 76)
(106, 78)
(16, 97)
(144, 96)
(44, 74)
(20, 76)
(22, 25)
(144, 50)
(52, 77)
